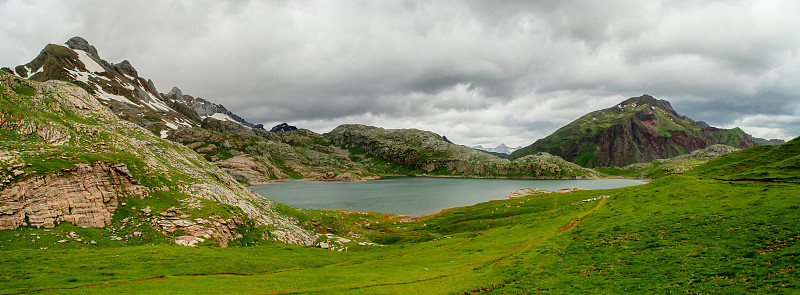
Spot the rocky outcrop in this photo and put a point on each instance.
(283, 127)
(250, 169)
(79, 43)
(125, 67)
(85, 196)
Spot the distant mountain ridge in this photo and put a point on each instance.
(502, 148)
(639, 129)
(206, 109)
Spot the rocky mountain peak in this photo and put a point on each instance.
(125, 67)
(78, 43)
(175, 93)
(283, 127)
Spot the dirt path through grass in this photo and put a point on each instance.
(577, 219)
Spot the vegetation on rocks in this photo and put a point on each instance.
(427, 153)
(254, 156)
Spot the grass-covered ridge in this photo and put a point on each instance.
(689, 233)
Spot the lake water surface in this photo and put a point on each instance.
(413, 196)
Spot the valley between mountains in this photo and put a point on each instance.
(108, 185)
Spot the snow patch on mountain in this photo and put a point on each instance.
(502, 148)
(155, 104)
(88, 62)
(108, 96)
(171, 125)
(221, 117)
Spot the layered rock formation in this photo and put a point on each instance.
(86, 196)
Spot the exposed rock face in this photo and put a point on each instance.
(250, 169)
(283, 127)
(85, 197)
(125, 67)
(640, 129)
(81, 44)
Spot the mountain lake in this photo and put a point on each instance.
(413, 196)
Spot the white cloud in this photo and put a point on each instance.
(479, 72)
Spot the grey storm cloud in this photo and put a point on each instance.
(480, 72)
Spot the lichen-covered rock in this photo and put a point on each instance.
(85, 197)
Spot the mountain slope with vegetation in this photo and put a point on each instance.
(255, 156)
(640, 129)
(68, 159)
(429, 154)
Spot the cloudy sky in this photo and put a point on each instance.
(479, 72)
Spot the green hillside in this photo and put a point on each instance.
(690, 233)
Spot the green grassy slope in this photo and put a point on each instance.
(689, 233)
(764, 163)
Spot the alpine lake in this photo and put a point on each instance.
(414, 196)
